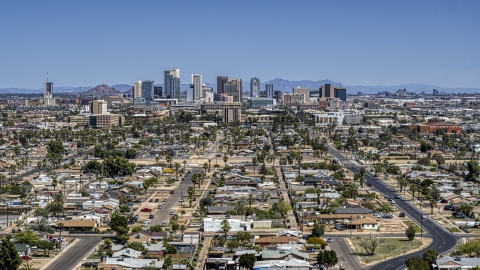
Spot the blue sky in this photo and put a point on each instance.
(85, 43)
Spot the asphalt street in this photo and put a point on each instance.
(74, 254)
(346, 258)
(442, 240)
(173, 204)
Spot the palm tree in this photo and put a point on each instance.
(61, 225)
(225, 159)
(250, 199)
(177, 167)
(386, 164)
(225, 226)
(254, 161)
(2, 178)
(54, 182)
(191, 194)
(209, 161)
(169, 160)
(433, 204)
(205, 167)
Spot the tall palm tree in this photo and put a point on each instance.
(225, 159)
(254, 161)
(177, 167)
(209, 161)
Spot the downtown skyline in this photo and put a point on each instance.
(368, 43)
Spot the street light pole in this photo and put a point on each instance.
(351, 220)
(421, 230)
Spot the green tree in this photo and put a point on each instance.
(131, 154)
(27, 237)
(430, 256)
(473, 170)
(417, 263)
(318, 230)
(316, 241)
(167, 263)
(283, 207)
(41, 212)
(225, 226)
(156, 228)
(191, 194)
(247, 260)
(233, 244)
(45, 245)
(9, 258)
(328, 258)
(410, 232)
(385, 208)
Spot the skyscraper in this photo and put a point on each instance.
(303, 90)
(269, 90)
(147, 90)
(48, 99)
(171, 86)
(327, 91)
(197, 86)
(158, 91)
(98, 106)
(221, 81)
(137, 89)
(341, 93)
(254, 87)
(234, 88)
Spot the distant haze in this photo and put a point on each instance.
(279, 84)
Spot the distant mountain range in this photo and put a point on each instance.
(279, 84)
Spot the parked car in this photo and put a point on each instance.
(151, 216)
(172, 213)
(164, 200)
(164, 224)
(157, 200)
(329, 240)
(447, 208)
(159, 206)
(402, 214)
(151, 200)
(144, 224)
(147, 220)
(146, 210)
(172, 191)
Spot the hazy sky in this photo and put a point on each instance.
(85, 43)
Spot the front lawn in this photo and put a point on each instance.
(391, 247)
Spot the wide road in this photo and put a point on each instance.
(75, 254)
(173, 204)
(442, 240)
(346, 257)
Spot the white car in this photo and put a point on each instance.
(424, 216)
(147, 220)
(144, 224)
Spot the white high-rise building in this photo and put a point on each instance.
(171, 85)
(303, 90)
(197, 86)
(137, 89)
(48, 99)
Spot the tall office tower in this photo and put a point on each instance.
(197, 86)
(137, 89)
(234, 88)
(171, 86)
(269, 90)
(254, 87)
(48, 99)
(327, 91)
(207, 93)
(221, 81)
(191, 93)
(98, 106)
(277, 94)
(303, 90)
(435, 92)
(147, 90)
(341, 93)
(158, 91)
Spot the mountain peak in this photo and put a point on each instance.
(103, 89)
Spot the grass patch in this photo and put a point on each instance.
(453, 230)
(94, 255)
(391, 247)
(417, 229)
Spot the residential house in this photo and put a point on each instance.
(23, 249)
(450, 263)
(275, 240)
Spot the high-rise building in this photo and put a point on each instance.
(158, 91)
(147, 90)
(171, 86)
(98, 106)
(221, 81)
(197, 86)
(327, 91)
(234, 88)
(48, 99)
(269, 90)
(302, 90)
(341, 93)
(277, 94)
(254, 87)
(435, 92)
(207, 93)
(137, 89)
(190, 93)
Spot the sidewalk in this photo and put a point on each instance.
(203, 256)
